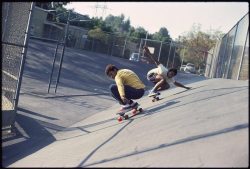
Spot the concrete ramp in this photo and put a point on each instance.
(206, 126)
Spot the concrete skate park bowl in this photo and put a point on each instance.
(203, 127)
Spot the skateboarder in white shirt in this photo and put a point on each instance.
(161, 76)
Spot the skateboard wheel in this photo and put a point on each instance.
(140, 110)
(119, 119)
(126, 116)
(134, 111)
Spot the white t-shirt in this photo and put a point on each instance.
(162, 70)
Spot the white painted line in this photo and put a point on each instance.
(11, 142)
(21, 130)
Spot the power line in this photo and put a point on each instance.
(104, 7)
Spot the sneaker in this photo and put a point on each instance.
(134, 104)
(125, 107)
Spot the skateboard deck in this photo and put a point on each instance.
(129, 113)
(155, 97)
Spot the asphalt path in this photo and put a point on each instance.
(83, 91)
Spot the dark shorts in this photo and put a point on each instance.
(130, 92)
(151, 77)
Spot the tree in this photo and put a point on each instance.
(98, 34)
(139, 32)
(162, 35)
(126, 25)
(198, 43)
(58, 10)
(118, 23)
(61, 14)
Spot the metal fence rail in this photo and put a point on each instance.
(171, 54)
(230, 57)
(15, 28)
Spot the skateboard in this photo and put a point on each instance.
(155, 97)
(129, 113)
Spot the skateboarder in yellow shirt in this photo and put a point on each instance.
(128, 86)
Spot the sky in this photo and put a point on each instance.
(177, 17)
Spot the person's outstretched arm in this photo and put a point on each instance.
(181, 85)
(148, 54)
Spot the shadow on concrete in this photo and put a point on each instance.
(189, 89)
(77, 95)
(140, 115)
(81, 69)
(97, 148)
(165, 145)
(36, 114)
(158, 107)
(42, 95)
(175, 100)
(35, 138)
(147, 112)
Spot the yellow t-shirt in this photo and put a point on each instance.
(127, 77)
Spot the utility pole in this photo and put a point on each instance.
(159, 55)
(123, 52)
(64, 44)
(146, 38)
(104, 7)
(183, 55)
(145, 44)
(169, 51)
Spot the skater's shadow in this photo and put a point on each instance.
(108, 123)
(157, 108)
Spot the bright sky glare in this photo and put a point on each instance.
(177, 17)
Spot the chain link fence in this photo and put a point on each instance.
(230, 57)
(175, 55)
(170, 54)
(15, 17)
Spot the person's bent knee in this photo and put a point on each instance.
(113, 88)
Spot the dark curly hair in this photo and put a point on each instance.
(173, 70)
(109, 68)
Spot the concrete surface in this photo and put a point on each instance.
(203, 127)
(82, 92)
(77, 126)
